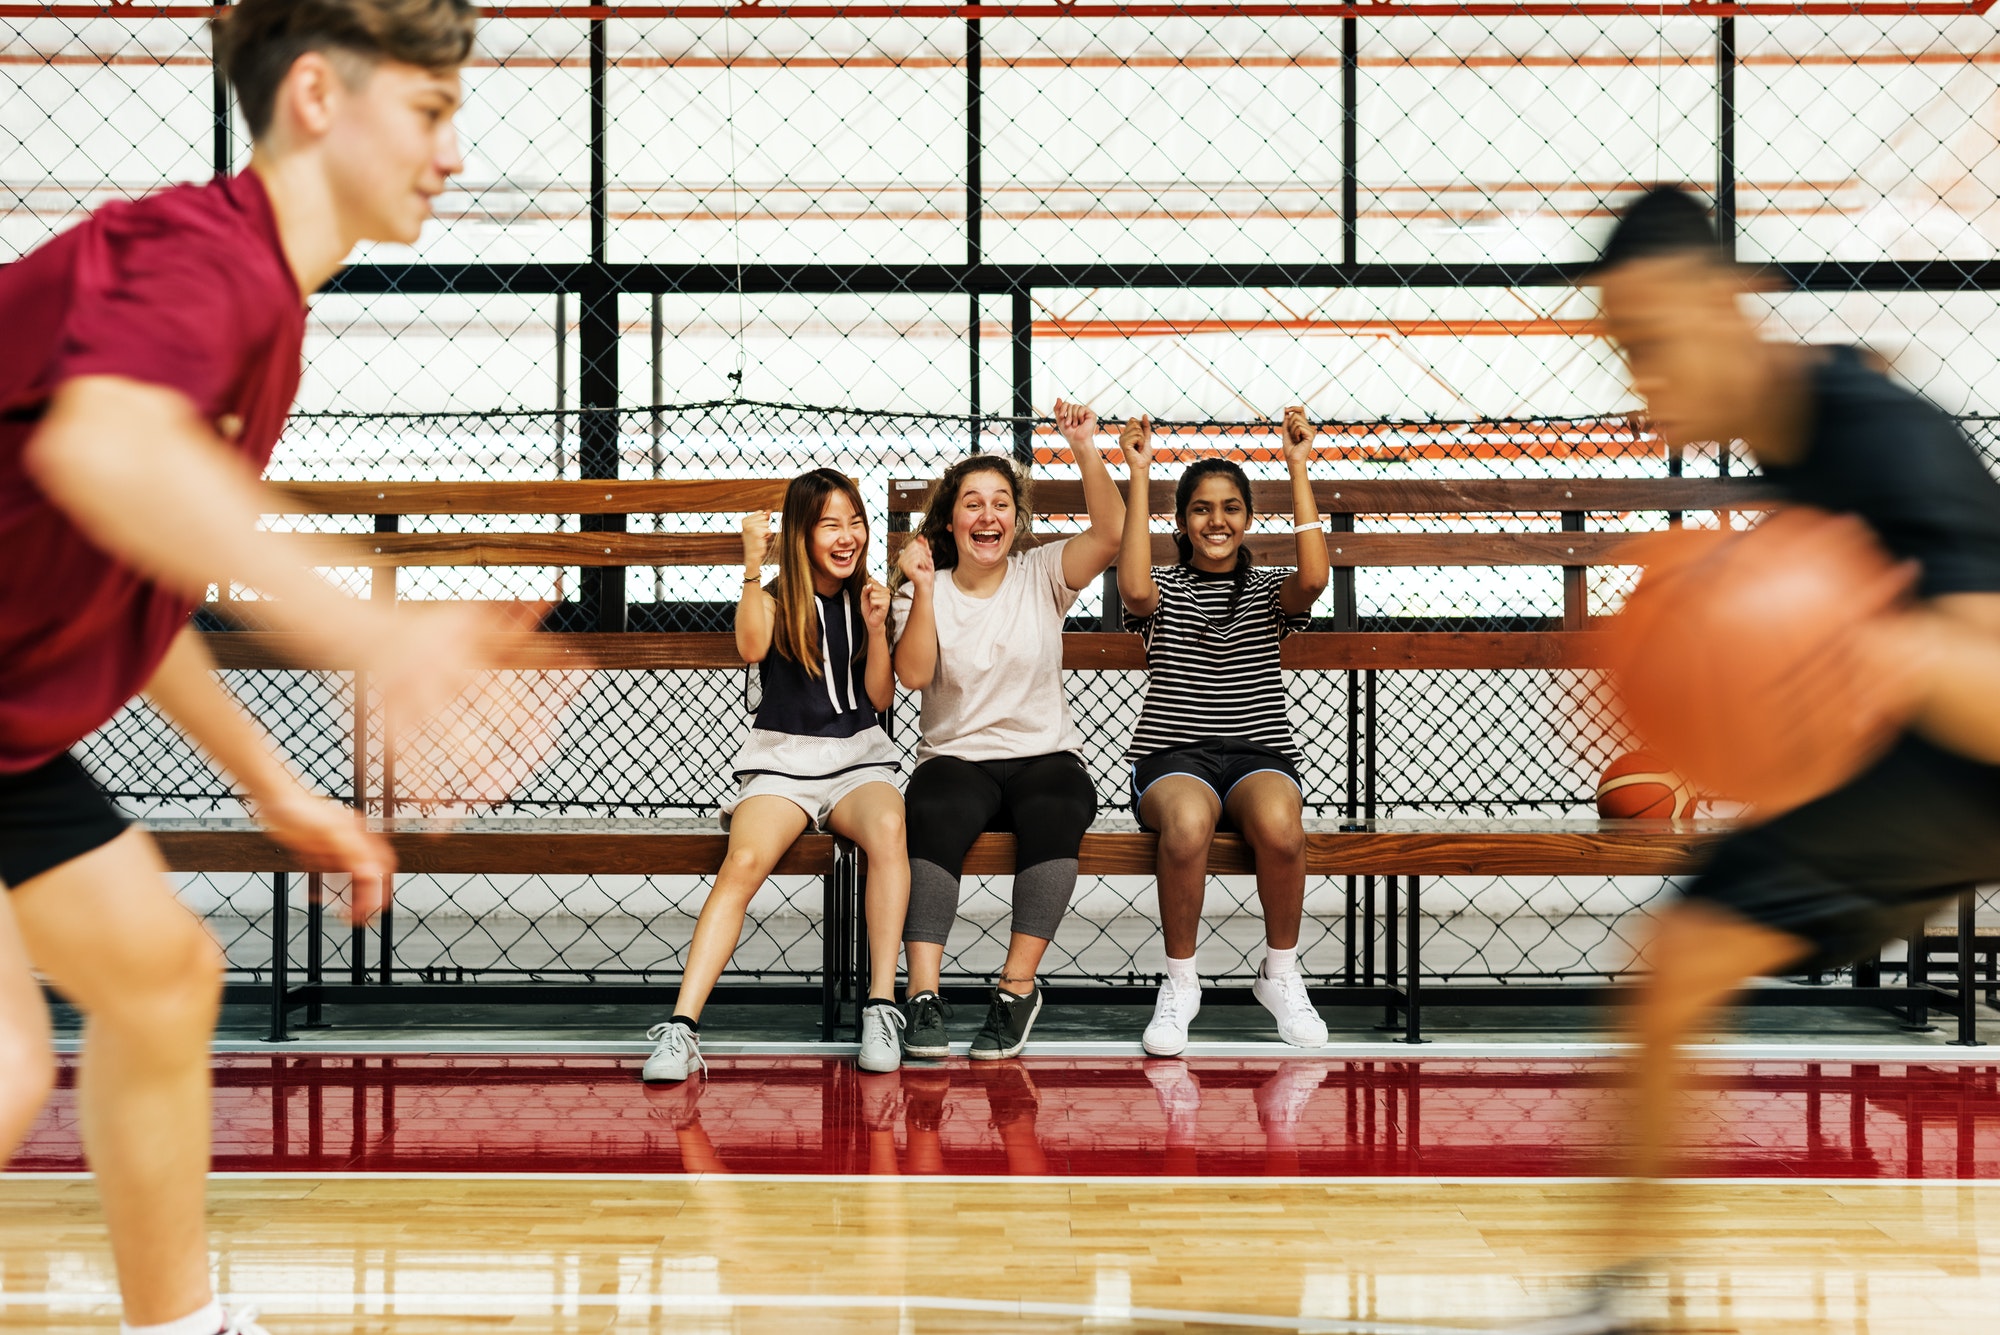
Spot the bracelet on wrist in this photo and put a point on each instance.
(1319, 524)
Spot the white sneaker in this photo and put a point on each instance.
(1166, 1033)
(677, 1052)
(243, 1321)
(881, 1038)
(1285, 997)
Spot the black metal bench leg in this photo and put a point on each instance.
(1390, 968)
(281, 931)
(315, 945)
(1916, 976)
(829, 950)
(864, 963)
(1413, 957)
(1968, 1014)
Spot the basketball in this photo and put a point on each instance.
(1762, 664)
(1639, 786)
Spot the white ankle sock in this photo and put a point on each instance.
(1183, 971)
(1278, 961)
(207, 1321)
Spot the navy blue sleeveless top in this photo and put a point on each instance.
(833, 704)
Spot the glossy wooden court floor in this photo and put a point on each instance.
(546, 1195)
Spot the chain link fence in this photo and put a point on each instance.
(933, 225)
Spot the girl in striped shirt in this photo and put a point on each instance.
(1213, 747)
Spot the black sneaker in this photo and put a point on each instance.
(1008, 1021)
(924, 1032)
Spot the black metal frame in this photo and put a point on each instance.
(1397, 985)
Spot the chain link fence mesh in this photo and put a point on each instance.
(791, 209)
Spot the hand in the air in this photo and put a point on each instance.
(916, 564)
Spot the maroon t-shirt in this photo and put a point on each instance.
(188, 289)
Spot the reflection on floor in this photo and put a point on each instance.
(361, 1255)
(1291, 1117)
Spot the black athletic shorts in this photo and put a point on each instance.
(1220, 763)
(50, 815)
(1867, 863)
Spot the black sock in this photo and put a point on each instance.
(878, 1001)
(693, 1025)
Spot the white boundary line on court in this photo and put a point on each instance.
(451, 1045)
(520, 1304)
(1044, 1179)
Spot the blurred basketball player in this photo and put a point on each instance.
(148, 359)
(1833, 880)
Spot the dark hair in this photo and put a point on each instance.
(1184, 492)
(936, 522)
(258, 40)
(1666, 220)
(796, 626)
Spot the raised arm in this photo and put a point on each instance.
(1091, 552)
(1136, 588)
(755, 609)
(917, 643)
(1304, 585)
(877, 673)
(325, 834)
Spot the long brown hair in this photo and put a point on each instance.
(795, 631)
(936, 522)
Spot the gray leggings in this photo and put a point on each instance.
(1046, 802)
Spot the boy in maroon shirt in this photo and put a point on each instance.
(148, 358)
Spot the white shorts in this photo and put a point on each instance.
(813, 773)
(816, 797)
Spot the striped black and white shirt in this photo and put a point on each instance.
(833, 704)
(1211, 675)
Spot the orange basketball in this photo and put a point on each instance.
(1763, 665)
(1639, 786)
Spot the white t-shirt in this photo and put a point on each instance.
(998, 690)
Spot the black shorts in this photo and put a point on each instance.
(1869, 862)
(1220, 763)
(50, 815)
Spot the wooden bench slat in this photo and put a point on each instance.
(1647, 849)
(1415, 496)
(679, 496)
(1644, 848)
(1083, 651)
(416, 550)
(1385, 550)
(493, 853)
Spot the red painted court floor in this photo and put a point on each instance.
(1062, 1116)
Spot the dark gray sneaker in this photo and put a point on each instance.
(1008, 1021)
(924, 1032)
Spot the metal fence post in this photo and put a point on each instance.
(597, 353)
(1725, 135)
(1350, 179)
(1024, 377)
(1968, 1013)
(281, 931)
(975, 207)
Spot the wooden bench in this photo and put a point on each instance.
(512, 847)
(1400, 853)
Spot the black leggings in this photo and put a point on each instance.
(1046, 802)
